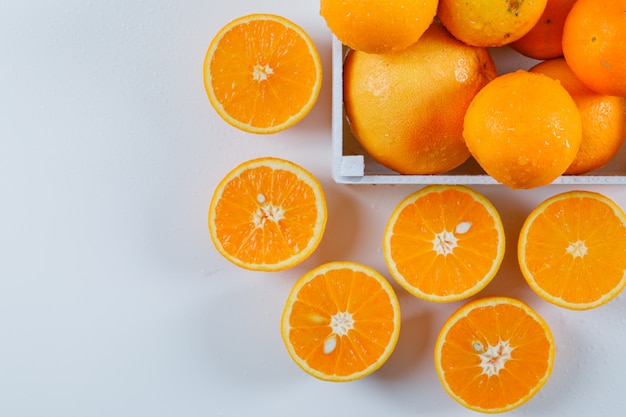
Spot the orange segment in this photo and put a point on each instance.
(341, 321)
(262, 73)
(572, 250)
(493, 354)
(267, 214)
(444, 243)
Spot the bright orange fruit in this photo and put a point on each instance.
(494, 354)
(603, 118)
(490, 22)
(378, 27)
(572, 250)
(444, 243)
(341, 321)
(544, 40)
(594, 37)
(406, 108)
(262, 73)
(267, 214)
(524, 129)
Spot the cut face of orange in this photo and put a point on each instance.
(262, 73)
(572, 250)
(267, 214)
(493, 354)
(341, 321)
(444, 243)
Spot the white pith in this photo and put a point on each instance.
(577, 249)
(261, 72)
(445, 241)
(341, 323)
(493, 358)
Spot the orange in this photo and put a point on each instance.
(267, 214)
(524, 129)
(594, 36)
(490, 22)
(544, 40)
(603, 118)
(494, 354)
(572, 250)
(341, 321)
(378, 27)
(262, 73)
(444, 243)
(406, 108)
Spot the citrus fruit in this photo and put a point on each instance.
(262, 73)
(572, 250)
(406, 108)
(544, 40)
(341, 321)
(267, 214)
(603, 118)
(493, 354)
(524, 129)
(594, 36)
(444, 242)
(490, 22)
(378, 27)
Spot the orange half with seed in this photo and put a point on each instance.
(494, 354)
(341, 321)
(444, 243)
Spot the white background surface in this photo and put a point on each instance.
(113, 300)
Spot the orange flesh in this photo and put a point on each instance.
(334, 292)
(526, 369)
(239, 213)
(577, 279)
(412, 243)
(263, 73)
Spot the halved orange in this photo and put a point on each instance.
(444, 242)
(262, 73)
(572, 249)
(493, 354)
(341, 321)
(267, 214)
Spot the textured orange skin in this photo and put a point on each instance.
(490, 22)
(544, 41)
(406, 108)
(603, 118)
(524, 129)
(378, 27)
(594, 40)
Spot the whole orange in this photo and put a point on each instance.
(544, 41)
(603, 118)
(406, 108)
(594, 44)
(490, 22)
(378, 27)
(524, 129)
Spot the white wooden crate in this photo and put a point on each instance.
(352, 165)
